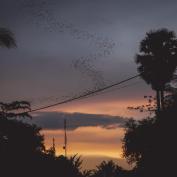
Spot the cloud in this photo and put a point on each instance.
(54, 120)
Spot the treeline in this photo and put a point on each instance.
(22, 150)
(149, 144)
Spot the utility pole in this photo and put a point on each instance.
(53, 145)
(65, 138)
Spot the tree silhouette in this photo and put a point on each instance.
(137, 139)
(157, 61)
(149, 107)
(109, 169)
(20, 143)
(7, 38)
(15, 109)
(22, 151)
(151, 143)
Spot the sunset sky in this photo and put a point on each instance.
(66, 48)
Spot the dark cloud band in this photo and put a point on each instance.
(54, 120)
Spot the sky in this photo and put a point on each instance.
(66, 48)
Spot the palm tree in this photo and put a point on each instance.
(157, 61)
(6, 38)
(109, 169)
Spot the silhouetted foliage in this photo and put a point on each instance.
(22, 150)
(149, 107)
(157, 60)
(16, 109)
(20, 142)
(151, 143)
(7, 38)
(110, 169)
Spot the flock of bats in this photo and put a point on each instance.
(85, 64)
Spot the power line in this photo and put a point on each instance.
(115, 89)
(107, 91)
(83, 95)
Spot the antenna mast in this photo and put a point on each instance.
(53, 146)
(65, 138)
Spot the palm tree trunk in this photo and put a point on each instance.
(158, 100)
(162, 99)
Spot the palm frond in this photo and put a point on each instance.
(7, 38)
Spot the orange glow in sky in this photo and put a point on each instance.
(94, 141)
(116, 108)
(88, 141)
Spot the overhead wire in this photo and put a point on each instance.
(84, 95)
